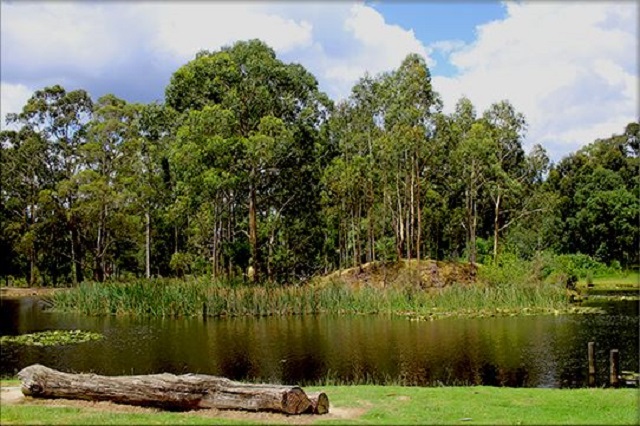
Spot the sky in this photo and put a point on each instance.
(570, 67)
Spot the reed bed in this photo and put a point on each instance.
(202, 297)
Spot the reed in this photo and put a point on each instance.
(198, 297)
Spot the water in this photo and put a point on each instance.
(533, 351)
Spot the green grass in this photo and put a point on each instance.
(43, 415)
(198, 297)
(390, 405)
(622, 281)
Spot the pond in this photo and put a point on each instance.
(530, 351)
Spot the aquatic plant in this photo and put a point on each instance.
(51, 338)
(202, 297)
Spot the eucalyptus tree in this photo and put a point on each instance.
(248, 80)
(410, 103)
(60, 119)
(475, 158)
(204, 157)
(103, 183)
(509, 170)
(453, 220)
(24, 177)
(383, 168)
(156, 125)
(351, 179)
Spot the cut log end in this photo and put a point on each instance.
(295, 401)
(319, 403)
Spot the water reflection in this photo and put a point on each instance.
(535, 351)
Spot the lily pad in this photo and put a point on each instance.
(51, 338)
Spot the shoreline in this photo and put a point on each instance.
(18, 292)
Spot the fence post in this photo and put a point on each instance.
(592, 364)
(614, 367)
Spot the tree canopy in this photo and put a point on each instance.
(249, 171)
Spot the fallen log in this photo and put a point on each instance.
(319, 403)
(184, 392)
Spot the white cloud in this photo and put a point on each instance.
(447, 46)
(351, 39)
(384, 45)
(122, 47)
(58, 35)
(571, 68)
(14, 97)
(184, 28)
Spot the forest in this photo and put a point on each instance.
(248, 171)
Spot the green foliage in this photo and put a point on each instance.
(180, 263)
(385, 247)
(509, 271)
(51, 338)
(249, 163)
(598, 189)
(581, 265)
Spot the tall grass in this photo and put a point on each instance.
(202, 297)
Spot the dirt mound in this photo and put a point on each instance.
(17, 292)
(425, 274)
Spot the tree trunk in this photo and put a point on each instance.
(32, 267)
(472, 233)
(98, 274)
(185, 392)
(175, 239)
(400, 230)
(76, 258)
(147, 244)
(319, 403)
(253, 230)
(419, 209)
(496, 229)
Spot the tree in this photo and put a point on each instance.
(598, 200)
(376, 184)
(509, 173)
(475, 158)
(156, 125)
(410, 104)
(60, 118)
(25, 175)
(102, 190)
(248, 80)
(204, 156)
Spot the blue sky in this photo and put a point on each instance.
(430, 21)
(570, 67)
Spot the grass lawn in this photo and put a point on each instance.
(383, 405)
(626, 282)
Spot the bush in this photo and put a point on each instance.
(180, 263)
(508, 271)
(579, 265)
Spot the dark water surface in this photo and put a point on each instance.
(532, 351)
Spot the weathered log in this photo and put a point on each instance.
(319, 403)
(184, 392)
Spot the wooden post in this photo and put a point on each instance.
(592, 364)
(614, 367)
